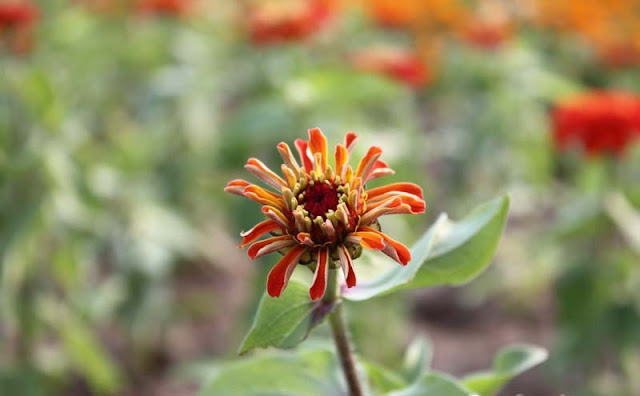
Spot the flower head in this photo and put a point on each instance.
(321, 216)
(277, 21)
(602, 122)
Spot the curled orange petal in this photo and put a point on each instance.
(301, 146)
(393, 248)
(368, 239)
(409, 188)
(350, 140)
(319, 284)
(236, 187)
(270, 245)
(318, 144)
(347, 266)
(259, 230)
(262, 196)
(342, 158)
(279, 275)
(367, 162)
(265, 174)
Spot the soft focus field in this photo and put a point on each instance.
(121, 121)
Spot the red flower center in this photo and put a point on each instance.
(320, 198)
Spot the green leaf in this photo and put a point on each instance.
(305, 373)
(448, 254)
(417, 359)
(285, 321)
(508, 363)
(381, 379)
(434, 384)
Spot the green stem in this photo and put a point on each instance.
(341, 336)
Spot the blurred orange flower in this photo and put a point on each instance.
(16, 25)
(277, 21)
(434, 14)
(611, 27)
(399, 64)
(601, 122)
(321, 216)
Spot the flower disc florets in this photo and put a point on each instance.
(322, 216)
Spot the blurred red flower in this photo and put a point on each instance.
(16, 24)
(164, 7)
(601, 122)
(397, 63)
(275, 21)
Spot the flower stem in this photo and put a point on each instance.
(341, 337)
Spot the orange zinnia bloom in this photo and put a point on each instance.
(322, 216)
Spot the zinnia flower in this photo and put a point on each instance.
(16, 21)
(321, 216)
(401, 65)
(602, 122)
(273, 21)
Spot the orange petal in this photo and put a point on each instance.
(279, 275)
(416, 204)
(259, 230)
(380, 168)
(236, 187)
(347, 266)
(367, 162)
(302, 146)
(287, 157)
(275, 214)
(319, 284)
(342, 157)
(393, 248)
(270, 245)
(386, 207)
(305, 239)
(370, 240)
(265, 174)
(318, 144)
(350, 140)
(263, 197)
(289, 175)
(409, 188)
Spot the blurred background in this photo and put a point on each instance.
(121, 121)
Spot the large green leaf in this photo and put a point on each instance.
(305, 373)
(508, 363)
(434, 384)
(285, 321)
(449, 253)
